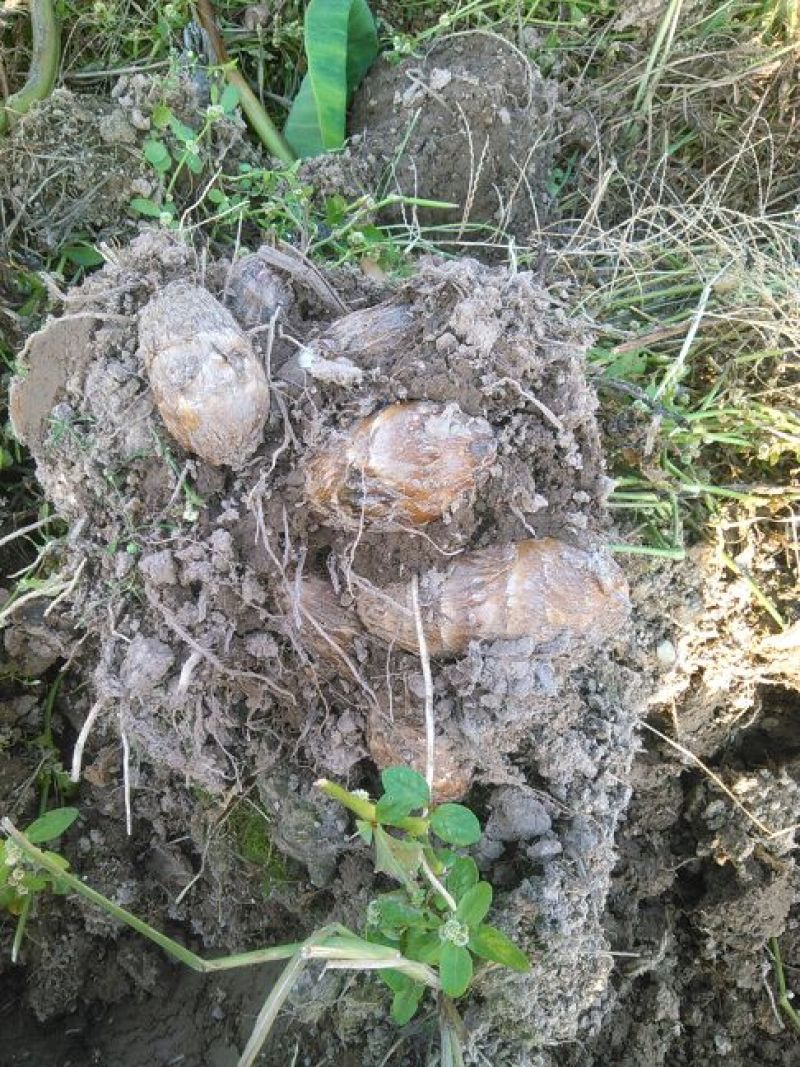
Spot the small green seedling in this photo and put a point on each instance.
(174, 148)
(19, 882)
(423, 936)
(437, 916)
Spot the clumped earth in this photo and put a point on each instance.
(642, 894)
(183, 606)
(471, 122)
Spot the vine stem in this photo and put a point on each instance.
(45, 56)
(263, 126)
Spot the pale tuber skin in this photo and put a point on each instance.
(543, 590)
(403, 466)
(257, 294)
(209, 386)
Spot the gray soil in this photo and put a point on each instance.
(643, 895)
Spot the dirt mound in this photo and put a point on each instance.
(185, 602)
(472, 122)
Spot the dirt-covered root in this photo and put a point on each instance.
(201, 653)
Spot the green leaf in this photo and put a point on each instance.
(229, 99)
(475, 903)
(193, 162)
(157, 155)
(83, 255)
(161, 116)
(59, 861)
(391, 810)
(456, 825)
(184, 133)
(492, 944)
(406, 1002)
(455, 969)
(463, 876)
(146, 207)
(395, 980)
(52, 824)
(406, 784)
(364, 830)
(7, 898)
(425, 946)
(399, 859)
(341, 44)
(394, 912)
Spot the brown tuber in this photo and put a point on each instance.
(405, 465)
(326, 626)
(399, 738)
(543, 590)
(257, 294)
(209, 386)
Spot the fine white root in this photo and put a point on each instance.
(83, 737)
(430, 737)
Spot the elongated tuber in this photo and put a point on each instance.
(325, 625)
(209, 387)
(542, 590)
(405, 465)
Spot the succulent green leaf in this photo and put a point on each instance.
(406, 784)
(463, 875)
(492, 944)
(406, 1002)
(456, 825)
(391, 809)
(475, 903)
(341, 44)
(51, 824)
(455, 969)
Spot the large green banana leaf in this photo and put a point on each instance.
(341, 44)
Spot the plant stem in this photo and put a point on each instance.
(47, 741)
(173, 948)
(783, 993)
(365, 809)
(44, 64)
(262, 124)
